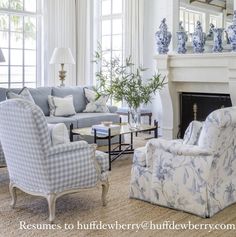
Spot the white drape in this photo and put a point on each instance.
(134, 30)
(67, 24)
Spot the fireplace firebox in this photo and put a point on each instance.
(197, 106)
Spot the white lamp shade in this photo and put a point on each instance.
(62, 56)
(2, 59)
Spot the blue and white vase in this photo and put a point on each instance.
(217, 40)
(163, 38)
(182, 39)
(199, 39)
(231, 32)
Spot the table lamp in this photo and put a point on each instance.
(62, 56)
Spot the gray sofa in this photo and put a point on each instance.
(79, 120)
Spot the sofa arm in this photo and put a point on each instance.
(112, 108)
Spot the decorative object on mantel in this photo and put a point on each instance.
(163, 38)
(231, 32)
(124, 82)
(182, 39)
(217, 40)
(62, 56)
(199, 39)
(2, 59)
(210, 35)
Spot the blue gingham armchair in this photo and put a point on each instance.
(199, 178)
(36, 166)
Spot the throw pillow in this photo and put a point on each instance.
(94, 104)
(192, 133)
(61, 106)
(23, 94)
(58, 133)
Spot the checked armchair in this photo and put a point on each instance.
(36, 166)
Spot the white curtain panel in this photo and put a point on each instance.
(83, 42)
(59, 31)
(134, 29)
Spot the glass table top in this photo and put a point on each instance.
(124, 129)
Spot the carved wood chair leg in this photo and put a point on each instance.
(51, 206)
(12, 190)
(105, 187)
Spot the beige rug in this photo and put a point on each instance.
(86, 207)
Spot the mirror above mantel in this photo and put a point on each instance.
(216, 12)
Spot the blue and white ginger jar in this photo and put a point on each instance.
(182, 38)
(199, 39)
(231, 32)
(163, 38)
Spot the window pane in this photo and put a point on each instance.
(16, 4)
(117, 42)
(30, 24)
(4, 39)
(30, 5)
(3, 74)
(4, 22)
(106, 42)
(117, 6)
(106, 27)
(30, 74)
(16, 85)
(4, 3)
(16, 23)
(16, 40)
(30, 85)
(5, 85)
(30, 42)
(117, 26)
(5, 53)
(106, 7)
(16, 57)
(117, 54)
(107, 56)
(16, 74)
(30, 57)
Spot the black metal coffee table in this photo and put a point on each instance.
(118, 150)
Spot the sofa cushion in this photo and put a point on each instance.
(78, 96)
(61, 106)
(40, 96)
(23, 94)
(58, 133)
(89, 119)
(66, 120)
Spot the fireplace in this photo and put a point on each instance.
(197, 106)
(209, 76)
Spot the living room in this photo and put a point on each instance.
(117, 118)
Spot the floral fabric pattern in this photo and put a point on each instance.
(199, 179)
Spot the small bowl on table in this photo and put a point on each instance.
(106, 123)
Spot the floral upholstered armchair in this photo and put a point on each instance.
(38, 167)
(197, 174)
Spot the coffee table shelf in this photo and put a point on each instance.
(118, 150)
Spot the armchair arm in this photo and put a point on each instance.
(174, 147)
(67, 147)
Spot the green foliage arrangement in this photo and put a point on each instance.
(124, 82)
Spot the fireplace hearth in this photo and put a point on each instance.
(197, 106)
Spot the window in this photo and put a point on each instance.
(112, 28)
(216, 20)
(190, 18)
(19, 23)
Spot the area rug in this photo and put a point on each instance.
(84, 210)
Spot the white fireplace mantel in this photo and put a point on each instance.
(206, 73)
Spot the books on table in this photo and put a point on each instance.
(104, 130)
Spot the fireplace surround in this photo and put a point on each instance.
(207, 73)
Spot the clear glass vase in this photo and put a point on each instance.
(134, 118)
